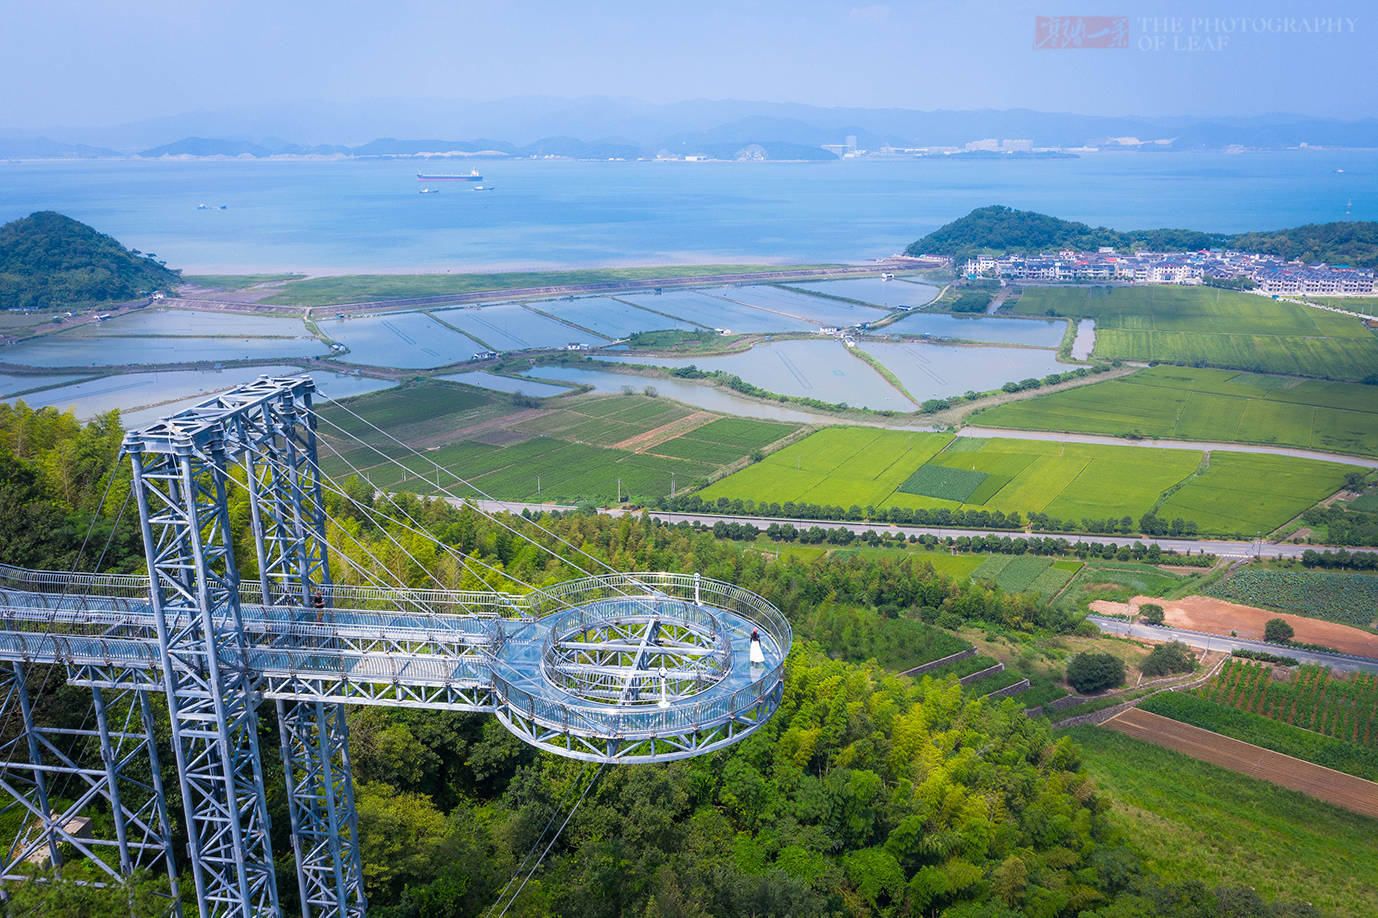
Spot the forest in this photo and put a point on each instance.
(867, 793)
(50, 261)
(999, 229)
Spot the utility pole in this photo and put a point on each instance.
(619, 490)
(538, 487)
(672, 484)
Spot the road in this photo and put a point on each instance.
(1197, 445)
(1220, 643)
(1222, 548)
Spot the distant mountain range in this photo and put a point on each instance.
(599, 127)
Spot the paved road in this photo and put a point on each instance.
(1218, 643)
(1058, 437)
(1223, 548)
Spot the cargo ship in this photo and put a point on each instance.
(473, 176)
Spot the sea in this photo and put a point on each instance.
(363, 216)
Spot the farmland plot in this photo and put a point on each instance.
(1216, 327)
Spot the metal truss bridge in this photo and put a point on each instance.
(611, 668)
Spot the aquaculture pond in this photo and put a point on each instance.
(821, 368)
(892, 294)
(498, 383)
(512, 327)
(994, 329)
(410, 340)
(610, 317)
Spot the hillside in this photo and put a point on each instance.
(1352, 242)
(1003, 229)
(48, 260)
(999, 229)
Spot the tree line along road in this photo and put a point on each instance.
(1220, 547)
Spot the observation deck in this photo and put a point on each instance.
(638, 667)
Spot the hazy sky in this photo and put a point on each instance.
(100, 62)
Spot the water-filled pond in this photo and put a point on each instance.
(510, 327)
(1085, 340)
(72, 351)
(12, 384)
(995, 329)
(506, 384)
(938, 371)
(404, 339)
(143, 397)
(820, 368)
(817, 310)
(706, 309)
(190, 322)
(609, 317)
(891, 294)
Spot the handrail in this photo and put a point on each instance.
(424, 648)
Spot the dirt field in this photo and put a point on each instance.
(1335, 787)
(1216, 616)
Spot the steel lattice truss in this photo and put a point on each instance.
(617, 668)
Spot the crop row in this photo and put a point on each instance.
(1314, 698)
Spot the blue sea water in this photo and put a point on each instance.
(351, 216)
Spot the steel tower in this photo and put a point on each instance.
(617, 668)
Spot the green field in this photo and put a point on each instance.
(1203, 404)
(1342, 755)
(1119, 581)
(1196, 821)
(850, 466)
(1336, 596)
(724, 441)
(353, 288)
(1249, 494)
(415, 414)
(569, 453)
(235, 281)
(1027, 573)
(1199, 325)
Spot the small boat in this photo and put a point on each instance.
(429, 191)
(482, 188)
(203, 207)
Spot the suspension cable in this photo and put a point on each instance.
(377, 581)
(555, 838)
(374, 515)
(491, 517)
(418, 529)
(554, 814)
(461, 480)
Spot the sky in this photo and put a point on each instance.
(97, 62)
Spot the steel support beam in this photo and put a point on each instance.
(108, 777)
(320, 800)
(180, 487)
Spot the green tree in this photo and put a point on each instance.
(398, 835)
(1151, 613)
(1277, 631)
(1091, 671)
(74, 894)
(1165, 659)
